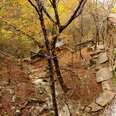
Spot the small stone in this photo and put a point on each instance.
(78, 114)
(39, 82)
(100, 47)
(41, 92)
(13, 108)
(24, 60)
(95, 107)
(102, 58)
(107, 85)
(103, 74)
(59, 44)
(105, 98)
(88, 109)
(34, 70)
(14, 99)
(38, 74)
(82, 108)
(11, 91)
(17, 112)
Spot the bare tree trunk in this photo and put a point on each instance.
(50, 66)
(56, 63)
(58, 72)
(52, 86)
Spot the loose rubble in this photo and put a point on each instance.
(104, 76)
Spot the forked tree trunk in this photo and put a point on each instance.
(50, 66)
(56, 63)
(52, 57)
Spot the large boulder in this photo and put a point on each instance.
(108, 85)
(100, 47)
(111, 109)
(105, 98)
(112, 18)
(103, 74)
(102, 58)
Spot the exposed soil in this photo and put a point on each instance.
(16, 89)
(80, 80)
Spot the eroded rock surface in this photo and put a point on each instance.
(105, 98)
(95, 107)
(103, 74)
(111, 109)
(107, 85)
(102, 58)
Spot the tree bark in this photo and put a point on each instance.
(58, 72)
(56, 61)
(50, 66)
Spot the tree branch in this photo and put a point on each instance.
(56, 14)
(50, 64)
(44, 9)
(76, 13)
(81, 9)
(32, 4)
(48, 15)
